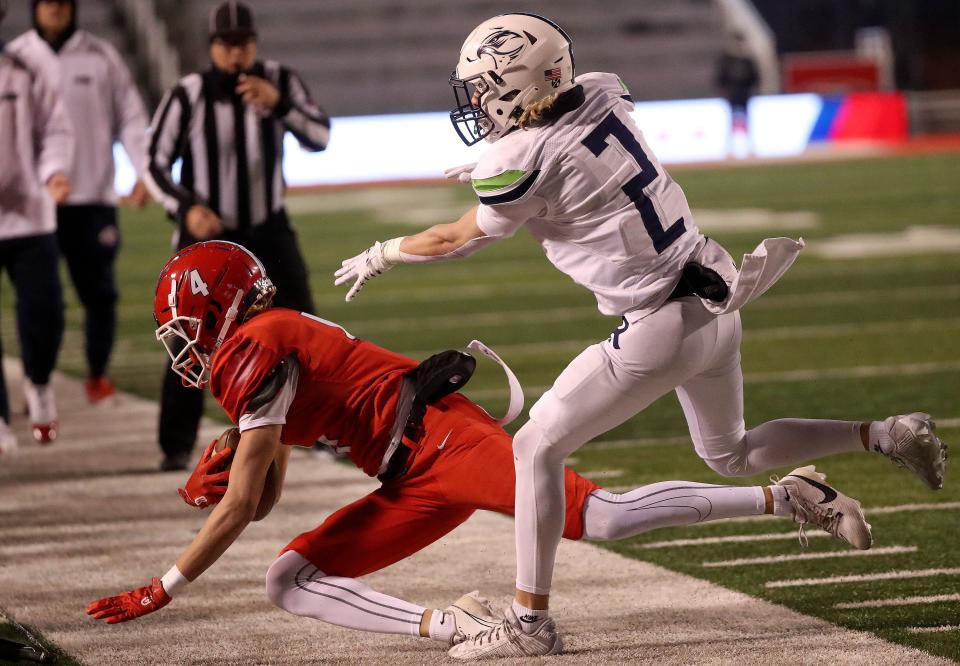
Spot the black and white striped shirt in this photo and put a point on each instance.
(231, 154)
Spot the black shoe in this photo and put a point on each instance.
(175, 463)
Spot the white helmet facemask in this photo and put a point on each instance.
(506, 64)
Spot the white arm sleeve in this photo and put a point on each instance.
(275, 411)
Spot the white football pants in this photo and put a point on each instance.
(299, 587)
(682, 347)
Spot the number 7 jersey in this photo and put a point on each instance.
(591, 191)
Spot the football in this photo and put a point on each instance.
(271, 484)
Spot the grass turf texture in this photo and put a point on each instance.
(883, 312)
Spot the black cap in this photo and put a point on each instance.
(232, 20)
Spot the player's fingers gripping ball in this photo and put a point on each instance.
(208, 482)
(215, 483)
(130, 605)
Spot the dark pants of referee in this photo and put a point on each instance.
(89, 240)
(31, 262)
(275, 244)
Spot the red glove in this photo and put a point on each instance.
(130, 605)
(208, 482)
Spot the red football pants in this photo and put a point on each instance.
(443, 487)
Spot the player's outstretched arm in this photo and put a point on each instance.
(257, 450)
(440, 242)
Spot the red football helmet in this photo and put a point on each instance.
(203, 293)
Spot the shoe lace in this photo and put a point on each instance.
(493, 633)
(804, 513)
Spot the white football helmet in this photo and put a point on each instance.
(506, 64)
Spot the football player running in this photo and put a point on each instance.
(568, 163)
(288, 378)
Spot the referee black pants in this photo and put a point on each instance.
(89, 239)
(275, 245)
(32, 263)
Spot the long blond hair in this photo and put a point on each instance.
(534, 113)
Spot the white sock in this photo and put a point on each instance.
(442, 626)
(530, 619)
(879, 438)
(781, 502)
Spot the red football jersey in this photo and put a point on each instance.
(347, 390)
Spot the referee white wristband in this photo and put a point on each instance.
(173, 581)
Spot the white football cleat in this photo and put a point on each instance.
(507, 639)
(472, 614)
(42, 408)
(8, 441)
(814, 501)
(917, 448)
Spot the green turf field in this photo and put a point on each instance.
(853, 338)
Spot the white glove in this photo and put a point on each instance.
(462, 172)
(360, 269)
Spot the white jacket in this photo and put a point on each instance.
(102, 102)
(36, 142)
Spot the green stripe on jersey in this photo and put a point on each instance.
(499, 181)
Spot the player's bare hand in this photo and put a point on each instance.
(139, 196)
(130, 605)
(361, 269)
(208, 482)
(202, 223)
(59, 187)
(258, 92)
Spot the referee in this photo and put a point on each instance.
(36, 154)
(226, 126)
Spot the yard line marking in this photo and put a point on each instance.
(947, 423)
(830, 330)
(771, 559)
(931, 630)
(932, 506)
(568, 314)
(540, 348)
(602, 474)
(735, 538)
(812, 374)
(899, 601)
(929, 506)
(861, 578)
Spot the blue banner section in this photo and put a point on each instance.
(828, 112)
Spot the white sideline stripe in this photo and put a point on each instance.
(602, 474)
(736, 538)
(931, 506)
(771, 559)
(899, 601)
(861, 578)
(933, 630)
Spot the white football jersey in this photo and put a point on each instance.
(589, 188)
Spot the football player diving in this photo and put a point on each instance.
(290, 379)
(568, 162)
